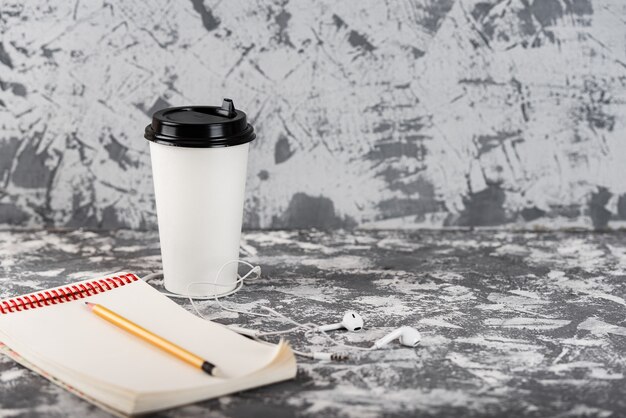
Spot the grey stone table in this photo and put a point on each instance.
(513, 324)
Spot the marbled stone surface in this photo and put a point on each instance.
(527, 324)
(419, 113)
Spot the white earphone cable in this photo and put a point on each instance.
(308, 327)
(238, 286)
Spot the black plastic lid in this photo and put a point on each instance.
(200, 126)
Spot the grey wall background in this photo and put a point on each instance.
(378, 114)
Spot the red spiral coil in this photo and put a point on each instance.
(64, 294)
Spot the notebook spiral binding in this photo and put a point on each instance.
(65, 294)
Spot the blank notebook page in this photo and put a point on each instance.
(83, 344)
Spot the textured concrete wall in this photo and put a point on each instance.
(379, 114)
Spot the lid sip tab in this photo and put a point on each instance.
(200, 126)
(227, 109)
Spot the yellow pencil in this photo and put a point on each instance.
(153, 339)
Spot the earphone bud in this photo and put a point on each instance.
(351, 321)
(408, 336)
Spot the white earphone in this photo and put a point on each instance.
(409, 337)
(351, 321)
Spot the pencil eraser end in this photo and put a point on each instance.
(210, 369)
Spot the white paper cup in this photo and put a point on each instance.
(199, 200)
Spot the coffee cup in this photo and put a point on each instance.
(199, 160)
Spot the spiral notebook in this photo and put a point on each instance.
(52, 333)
